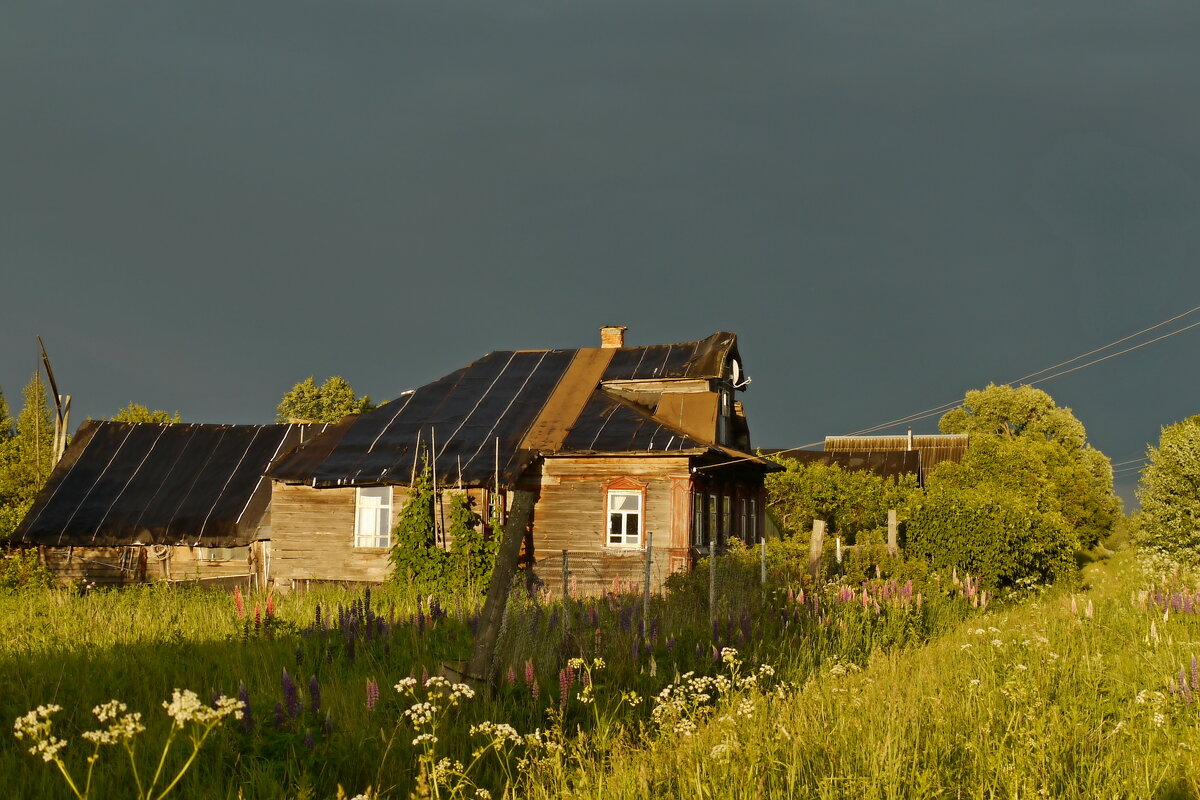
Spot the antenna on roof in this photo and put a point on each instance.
(62, 408)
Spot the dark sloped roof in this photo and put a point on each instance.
(887, 464)
(122, 482)
(529, 402)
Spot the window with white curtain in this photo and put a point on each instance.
(373, 517)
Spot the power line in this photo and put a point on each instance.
(920, 415)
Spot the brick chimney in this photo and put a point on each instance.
(612, 336)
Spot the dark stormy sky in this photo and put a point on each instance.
(891, 203)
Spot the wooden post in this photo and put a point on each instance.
(483, 652)
(566, 575)
(712, 577)
(762, 578)
(646, 587)
(814, 548)
(893, 545)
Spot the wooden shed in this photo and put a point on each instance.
(619, 444)
(932, 449)
(137, 502)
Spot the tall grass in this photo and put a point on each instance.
(1066, 696)
(323, 712)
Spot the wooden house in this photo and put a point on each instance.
(136, 502)
(621, 446)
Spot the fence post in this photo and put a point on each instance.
(646, 587)
(763, 561)
(814, 548)
(566, 575)
(712, 578)
(893, 545)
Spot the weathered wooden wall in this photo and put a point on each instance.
(312, 535)
(312, 538)
(571, 514)
(118, 566)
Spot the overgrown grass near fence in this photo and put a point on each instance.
(318, 671)
(1068, 696)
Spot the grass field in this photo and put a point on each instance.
(877, 691)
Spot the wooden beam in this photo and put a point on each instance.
(483, 652)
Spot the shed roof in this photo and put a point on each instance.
(187, 484)
(496, 415)
(934, 448)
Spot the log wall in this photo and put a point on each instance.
(572, 514)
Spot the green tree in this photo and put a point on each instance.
(1029, 466)
(1169, 491)
(1023, 412)
(135, 412)
(26, 452)
(330, 402)
(849, 501)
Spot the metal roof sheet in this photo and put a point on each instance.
(123, 482)
(497, 414)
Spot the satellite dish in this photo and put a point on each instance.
(738, 377)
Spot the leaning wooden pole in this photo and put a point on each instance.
(483, 652)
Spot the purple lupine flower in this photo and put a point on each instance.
(314, 695)
(308, 740)
(1195, 674)
(1185, 690)
(671, 644)
(372, 694)
(247, 719)
(510, 677)
(291, 696)
(654, 630)
(280, 719)
(530, 677)
(564, 685)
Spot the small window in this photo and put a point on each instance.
(698, 519)
(624, 518)
(744, 519)
(373, 517)
(726, 516)
(754, 519)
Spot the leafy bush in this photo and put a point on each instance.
(417, 559)
(1169, 521)
(998, 535)
(20, 569)
(849, 501)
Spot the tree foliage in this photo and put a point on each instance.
(1169, 491)
(419, 561)
(330, 402)
(1023, 412)
(849, 501)
(1029, 491)
(26, 451)
(135, 412)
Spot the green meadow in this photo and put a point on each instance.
(884, 688)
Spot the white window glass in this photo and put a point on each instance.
(624, 518)
(698, 519)
(373, 517)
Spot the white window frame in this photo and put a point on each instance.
(373, 516)
(624, 539)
